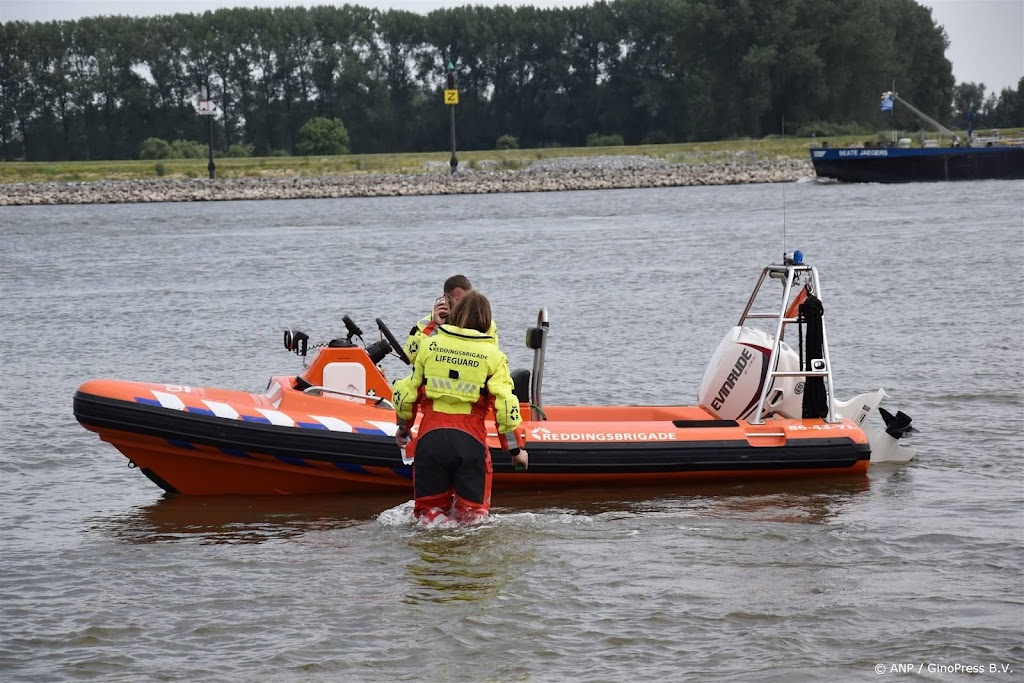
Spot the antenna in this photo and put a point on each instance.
(783, 194)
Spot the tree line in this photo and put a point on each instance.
(649, 71)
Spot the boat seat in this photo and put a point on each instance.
(521, 384)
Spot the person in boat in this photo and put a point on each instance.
(456, 381)
(455, 288)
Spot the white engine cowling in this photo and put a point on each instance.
(735, 376)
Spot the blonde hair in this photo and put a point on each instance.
(472, 312)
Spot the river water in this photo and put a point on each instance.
(103, 577)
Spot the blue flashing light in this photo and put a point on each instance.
(798, 258)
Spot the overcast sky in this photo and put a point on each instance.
(986, 36)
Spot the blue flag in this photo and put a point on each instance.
(886, 102)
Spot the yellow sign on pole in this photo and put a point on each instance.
(451, 96)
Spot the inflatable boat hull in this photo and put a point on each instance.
(211, 442)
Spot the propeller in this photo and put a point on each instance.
(897, 426)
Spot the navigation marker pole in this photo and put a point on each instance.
(451, 99)
(206, 109)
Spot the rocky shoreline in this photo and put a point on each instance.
(547, 175)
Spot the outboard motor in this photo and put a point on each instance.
(890, 444)
(735, 377)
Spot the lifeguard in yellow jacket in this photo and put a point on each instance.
(459, 375)
(455, 288)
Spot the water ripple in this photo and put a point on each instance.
(105, 578)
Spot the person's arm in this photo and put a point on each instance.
(506, 412)
(405, 394)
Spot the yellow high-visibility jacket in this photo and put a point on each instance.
(457, 375)
(425, 328)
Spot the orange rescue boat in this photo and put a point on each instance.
(763, 411)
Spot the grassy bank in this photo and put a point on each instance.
(21, 172)
(685, 153)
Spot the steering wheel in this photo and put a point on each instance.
(399, 351)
